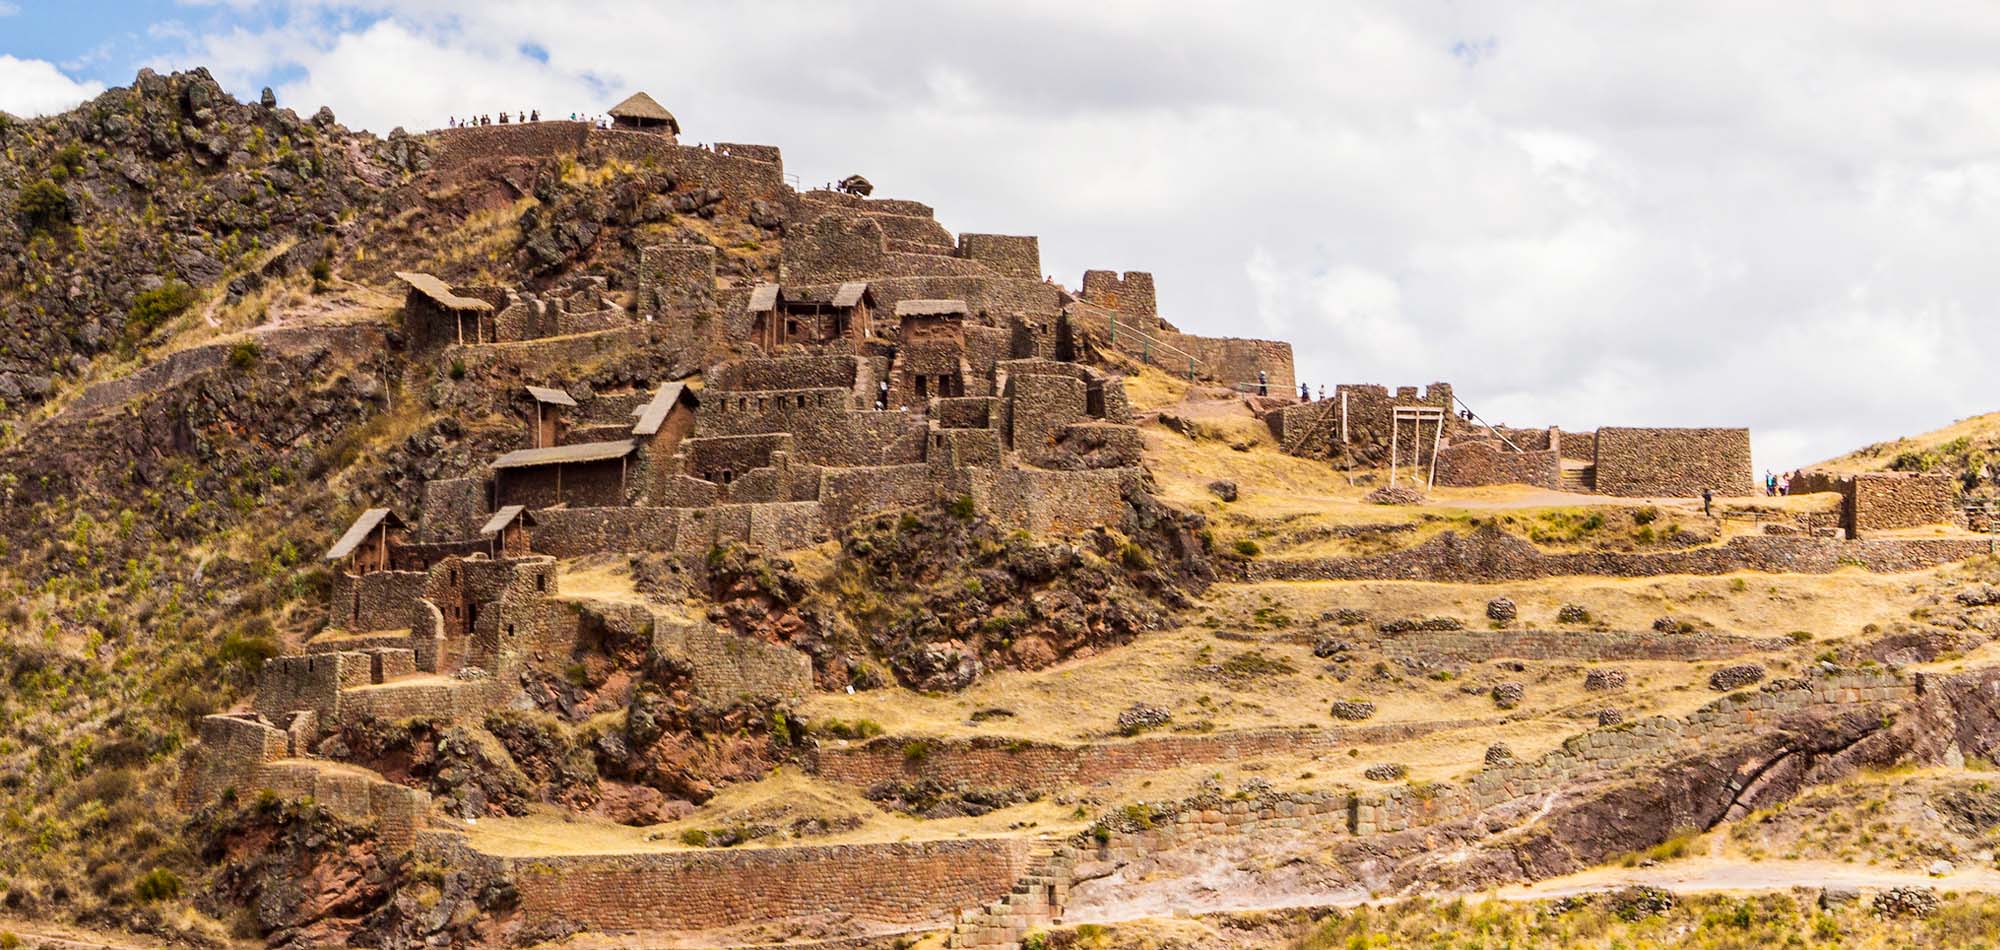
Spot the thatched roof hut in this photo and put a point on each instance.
(639, 111)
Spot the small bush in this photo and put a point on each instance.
(321, 270)
(244, 355)
(154, 307)
(42, 206)
(1248, 548)
(844, 729)
(916, 751)
(158, 884)
(457, 369)
(963, 508)
(694, 838)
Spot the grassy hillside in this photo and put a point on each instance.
(1968, 448)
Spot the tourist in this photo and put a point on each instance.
(1707, 502)
(1263, 384)
(1322, 392)
(1305, 393)
(534, 115)
(1785, 484)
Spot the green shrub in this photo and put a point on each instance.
(66, 161)
(1248, 548)
(963, 508)
(244, 355)
(457, 369)
(843, 729)
(321, 270)
(694, 838)
(154, 307)
(42, 205)
(158, 884)
(916, 751)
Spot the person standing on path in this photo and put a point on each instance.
(1263, 384)
(1305, 393)
(1707, 502)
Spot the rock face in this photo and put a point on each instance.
(1352, 710)
(1735, 677)
(1905, 902)
(1141, 717)
(1509, 695)
(1394, 496)
(1601, 680)
(1223, 489)
(167, 183)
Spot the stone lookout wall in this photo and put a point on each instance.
(1673, 463)
(896, 882)
(1488, 462)
(1885, 501)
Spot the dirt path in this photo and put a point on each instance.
(1706, 874)
(1710, 875)
(40, 935)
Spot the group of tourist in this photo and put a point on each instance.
(1775, 485)
(521, 118)
(1305, 392)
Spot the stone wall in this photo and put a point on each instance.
(1885, 501)
(834, 248)
(1131, 295)
(247, 755)
(1365, 414)
(1486, 556)
(457, 147)
(1048, 767)
(378, 601)
(1474, 646)
(1049, 501)
(453, 509)
(1004, 254)
(1673, 463)
(774, 526)
(896, 882)
(676, 279)
(1489, 462)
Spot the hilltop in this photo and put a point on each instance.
(1965, 449)
(539, 532)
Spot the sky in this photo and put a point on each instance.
(1778, 215)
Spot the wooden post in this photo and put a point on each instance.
(1343, 417)
(1395, 432)
(1437, 438)
(559, 483)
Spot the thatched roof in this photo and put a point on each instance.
(654, 413)
(641, 106)
(763, 298)
(505, 516)
(359, 531)
(930, 308)
(560, 454)
(440, 294)
(554, 397)
(850, 293)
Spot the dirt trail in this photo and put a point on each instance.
(40, 935)
(1693, 875)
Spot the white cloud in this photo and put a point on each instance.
(1709, 213)
(8, 9)
(31, 87)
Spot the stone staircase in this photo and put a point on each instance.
(1581, 480)
(1037, 900)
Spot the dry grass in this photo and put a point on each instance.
(1981, 429)
(782, 798)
